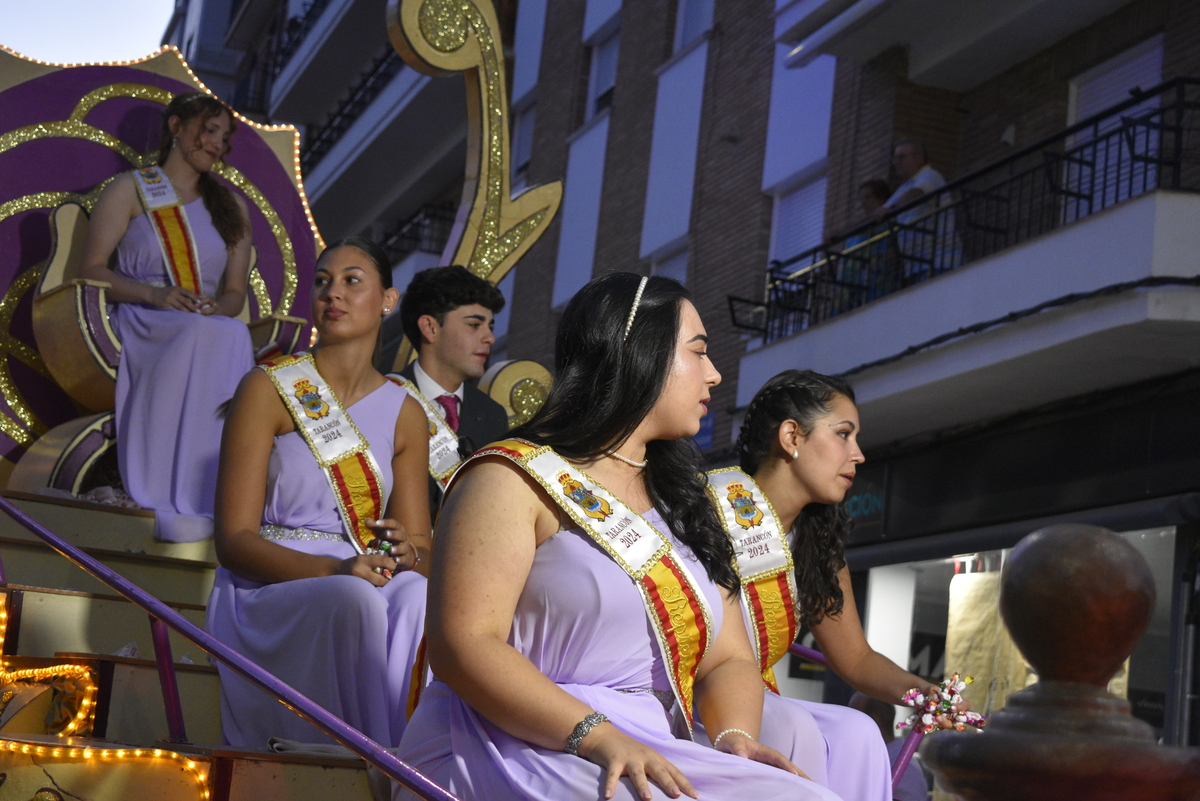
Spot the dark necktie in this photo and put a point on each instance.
(450, 404)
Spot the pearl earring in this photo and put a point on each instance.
(795, 454)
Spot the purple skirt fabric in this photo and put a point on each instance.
(580, 620)
(343, 642)
(176, 370)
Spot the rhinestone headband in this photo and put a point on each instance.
(633, 311)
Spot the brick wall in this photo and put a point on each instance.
(730, 224)
(875, 105)
(560, 96)
(731, 217)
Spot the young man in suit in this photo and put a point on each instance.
(448, 314)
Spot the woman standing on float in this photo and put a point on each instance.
(798, 450)
(582, 584)
(317, 448)
(182, 243)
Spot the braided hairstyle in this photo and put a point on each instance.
(819, 533)
(226, 216)
(605, 383)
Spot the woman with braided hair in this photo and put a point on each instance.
(582, 588)
(798, 452)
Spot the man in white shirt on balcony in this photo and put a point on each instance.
(925, 240)
(912, 165)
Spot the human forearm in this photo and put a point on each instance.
(121, 288)
(252, 557)
(230, 303)
(877, 676)
(731, 697)
(504, 687)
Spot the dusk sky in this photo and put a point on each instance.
(71, 31)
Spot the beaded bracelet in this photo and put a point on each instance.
(730, 731)
(582, 728)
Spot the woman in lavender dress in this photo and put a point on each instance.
(533, 628)
(182, 352)
(292, 593)
(799, 442)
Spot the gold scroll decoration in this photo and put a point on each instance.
(493, 230)
(519, 386)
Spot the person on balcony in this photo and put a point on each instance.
(798, 453)
(322, 524)
(911, 164)
(182, 245)
(566, 619)
(925, 239)
(448, 314)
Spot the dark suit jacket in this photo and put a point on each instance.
(481, 421)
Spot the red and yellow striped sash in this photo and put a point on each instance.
(678, 611)
(171, 227)
(764, 564)
(340, 448)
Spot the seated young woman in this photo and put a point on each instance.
(798, 451)
(582, 586)
(182, 246)
(322, 524)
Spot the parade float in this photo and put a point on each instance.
(96, 699)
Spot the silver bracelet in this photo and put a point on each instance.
(582, 728)
(730, 731)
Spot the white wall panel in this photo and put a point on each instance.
(527, 52)
(599, 13)
(798, 124)
(673, 149)
(580, 212)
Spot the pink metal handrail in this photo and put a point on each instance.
(163, 616)
(914, 735)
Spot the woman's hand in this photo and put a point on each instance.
(364, 566)
(621, 755)
(174, 297)
(391, 533)
(738, 744)
(207, 306)
(944, 722)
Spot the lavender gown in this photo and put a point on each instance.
(343, 642)
(176, 369)
(838, 747)
(581, 621)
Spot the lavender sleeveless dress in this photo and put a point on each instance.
(838, 747)
(581, 621)
(343, 642)
(176, 369)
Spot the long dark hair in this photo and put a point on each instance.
(226, 215)
(604, 386)
(818, 544)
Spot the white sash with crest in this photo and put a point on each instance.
(764, 564)
(443, 441)
(340, 448)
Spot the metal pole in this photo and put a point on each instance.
(166, 679)
(303, 706)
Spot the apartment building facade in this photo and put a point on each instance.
(1023, 343)
(1023, 346)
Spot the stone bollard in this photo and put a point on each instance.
(1076, 600)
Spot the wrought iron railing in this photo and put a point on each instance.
(1148, 142)
(163, 616)
(428, 231)
(297, 31)
(361, 95)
